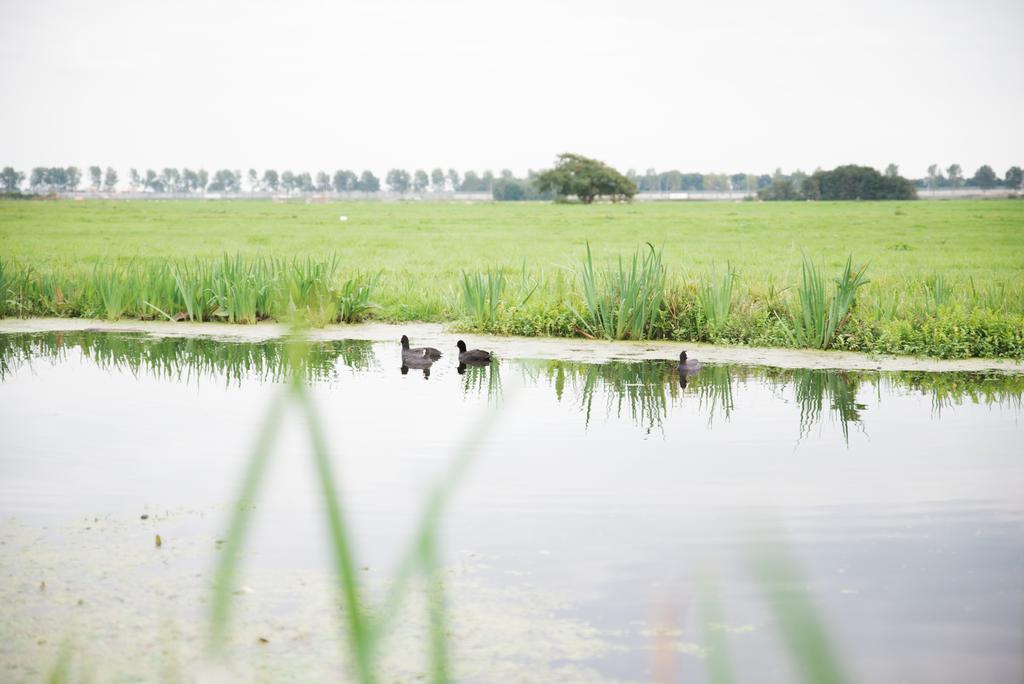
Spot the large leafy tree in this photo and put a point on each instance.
(984, 177)
(585, 178)
(11, 179)
(369, 182)
(1014, 176)
(398, 180)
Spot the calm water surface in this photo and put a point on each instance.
(609, 529)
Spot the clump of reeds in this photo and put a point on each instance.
(715, 298)
(355, 295)
(819, 317)
(624, 302)
(481, 295)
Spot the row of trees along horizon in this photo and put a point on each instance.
(504, 186)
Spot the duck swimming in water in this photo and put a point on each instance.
(686, 368)
(418, 353)
(473, 355)
(688, 365)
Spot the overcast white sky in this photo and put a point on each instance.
(710, 87)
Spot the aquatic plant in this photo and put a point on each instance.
(715, 297)
(354, 297)
(240, 289)
(481, 295)
(819, 317)
(194, 284)
(938, 291)
(624, 302)
(306, 288)
(115, 287)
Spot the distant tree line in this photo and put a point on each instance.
(853, 182)
(845, 182)
(676, 181)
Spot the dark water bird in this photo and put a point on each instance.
(686, 368)
(418, 353)
(688, 365)
(473, 355)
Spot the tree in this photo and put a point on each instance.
(849, 182)
(509, 189)
(152, 181)
(487, 181)
(134, 179)
(171, 180)
(304, 182)
(453, 179)
(585, 178)
(368, 182)
(95, 178)
(253, 179)
(204, 180)
(288, 181)
(935, 178)
(955, 173)
(323, 182)
(11, 179)
(270, 180)
(718, 182)
(420, 180)
(398, 180)
(72, 176)
(225, 180)
(345, 181)
(470, 182)
(984, 178)
(1014, 177)
(738, 181)
(892, 171)
(110, 179)
(189, 180)
(437, 180)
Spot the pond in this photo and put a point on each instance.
(616, 522)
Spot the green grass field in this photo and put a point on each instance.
(947, 278)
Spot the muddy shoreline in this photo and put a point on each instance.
(583, 350)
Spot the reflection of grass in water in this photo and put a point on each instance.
(644, 388)
(184, 358)
(364, 629)
(713, 387)
(813, 387)
(483, 379)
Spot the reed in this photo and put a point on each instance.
(354, 299)
(715, 297)
(819, 317)
(114, 287)
(481, 296)
(624, 302)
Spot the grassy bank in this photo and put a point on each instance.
(945, 279)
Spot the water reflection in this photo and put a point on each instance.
(183, 359)
(418, 364)
(643, 392)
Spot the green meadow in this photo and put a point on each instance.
(942, 278)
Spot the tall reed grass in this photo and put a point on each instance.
(625, 302)
(481, 295)
(715, 297)
(819, 317)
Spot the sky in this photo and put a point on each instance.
(705, 87)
